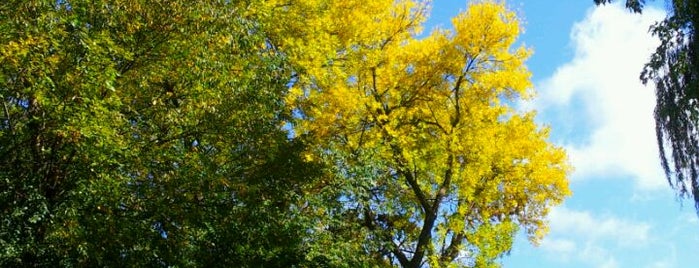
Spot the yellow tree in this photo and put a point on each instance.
(430, 161)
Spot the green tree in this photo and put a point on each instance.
(145, 133)
(674, 70)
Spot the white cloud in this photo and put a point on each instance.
(581, 237)
(562, 247)
(599, 257)
(598, 94)
(565, 222)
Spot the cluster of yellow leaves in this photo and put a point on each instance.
(434, 108)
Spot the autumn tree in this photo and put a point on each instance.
(674, 70)
(145, 133)
(432, 165)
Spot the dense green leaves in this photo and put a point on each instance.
(144, 133)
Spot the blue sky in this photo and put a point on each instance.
(585, 67)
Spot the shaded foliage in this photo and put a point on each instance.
(145, 133)
(633, 5)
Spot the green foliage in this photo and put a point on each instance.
(145, 133)
(674, 69)
(633, 5)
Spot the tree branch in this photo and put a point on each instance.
(7, 116)
(457, 117)
(400, 256)
(431, 215)
(452, 251)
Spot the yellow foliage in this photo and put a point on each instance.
(433, 110)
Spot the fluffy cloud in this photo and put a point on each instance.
(564, 221)
(606, 116)
(581, 237)
(603, 115)
(598, 99)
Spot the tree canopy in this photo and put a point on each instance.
(144, 133)
(269, 133)
(434, 167)
(674, 70)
